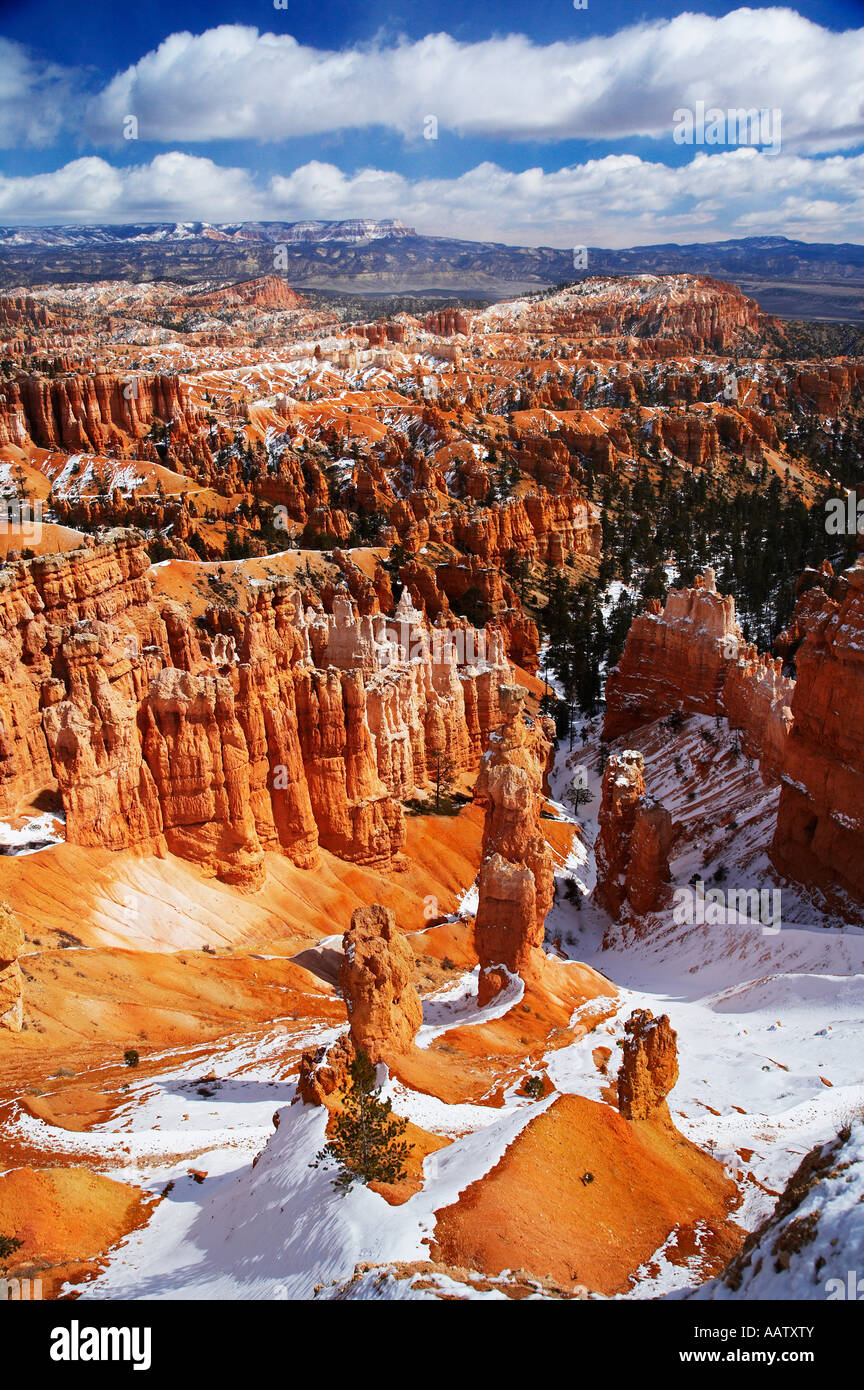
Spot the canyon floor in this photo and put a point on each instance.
(222, 1206)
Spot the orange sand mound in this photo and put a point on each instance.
(52, 539)
(533, 1210)
(73, 1107)
(114, 953)
(100, 897)
(66, 1216)
(478, 1062)
(94, 1004)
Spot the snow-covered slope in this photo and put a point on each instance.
(812, 1246)
(768, 1020)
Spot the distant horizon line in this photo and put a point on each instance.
(396, 222)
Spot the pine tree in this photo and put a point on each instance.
(398, 557)
(445, 776)
(8, 1247)
(366, 1144)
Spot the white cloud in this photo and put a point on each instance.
(35, 97)
(92, 190)
(620, 200)
(234, 82)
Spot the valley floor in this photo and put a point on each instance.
(766, 1021)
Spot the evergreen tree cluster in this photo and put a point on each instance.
(659, 533)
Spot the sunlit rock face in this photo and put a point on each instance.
(277, 727)
(11, 981)
(635, 837)
(820, 826)
(649, 1068)
(675, 658)
(516, 881)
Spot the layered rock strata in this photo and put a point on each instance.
(690, 658)
(90, 413)
(807, 732)
(675, 658)
(819, 838)
(273, 728)
(377, 982)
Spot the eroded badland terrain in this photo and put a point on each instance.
(480, 691)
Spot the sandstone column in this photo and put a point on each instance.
(516, 880)
(650, 1066)
(635, 837)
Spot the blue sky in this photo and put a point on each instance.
(551, 124)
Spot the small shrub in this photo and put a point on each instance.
(573, 894)
(130, 1057)
(8, 1247)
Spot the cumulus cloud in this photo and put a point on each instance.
(36, 97)
(235, 82)
(173, 186)
(620, 200)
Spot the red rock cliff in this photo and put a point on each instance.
(220, 747)
(634, 839)
(89, 413)
(676, 659)
(819, 837)
(377, 983)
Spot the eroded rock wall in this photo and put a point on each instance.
(674, 659)
(819, 838)
(11, 983)
(635, 837)
(272, 728)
